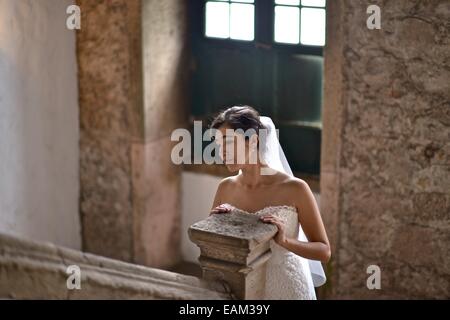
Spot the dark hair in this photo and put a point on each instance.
(238, 117)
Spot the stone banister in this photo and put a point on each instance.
(38, 270)
(234, 248)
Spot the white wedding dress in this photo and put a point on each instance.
(288, 276)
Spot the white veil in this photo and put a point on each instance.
(272, 154)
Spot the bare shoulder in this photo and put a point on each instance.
(223, 188)
(227, 182)
(297, 185)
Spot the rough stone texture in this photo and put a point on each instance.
(385, 159)
(108, 48)
(132, 72)
(38, 270)
(234, 248)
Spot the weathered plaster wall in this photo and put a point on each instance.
(157, 181)
(39, 131)
(196, 204)
(386, 148)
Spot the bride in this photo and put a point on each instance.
(267, 188)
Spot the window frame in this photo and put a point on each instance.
(264, 34)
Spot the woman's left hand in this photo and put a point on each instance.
(280, 237)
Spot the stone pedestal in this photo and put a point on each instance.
(234, 249)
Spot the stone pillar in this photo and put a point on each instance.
(235, 249)
(133, 64)
(109, 76)
(332, 118)
(385, 149)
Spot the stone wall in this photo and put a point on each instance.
(386, 149)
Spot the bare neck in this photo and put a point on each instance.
(252, 178)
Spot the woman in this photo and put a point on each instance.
(266, 187)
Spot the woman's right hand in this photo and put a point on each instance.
(223, 208)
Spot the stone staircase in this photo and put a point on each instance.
(234, 251)
(38, 270)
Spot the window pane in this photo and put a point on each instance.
(287, 24)
(288, 2)
(313, 3)
(242, 21)
(313, 26)
(246, 1)
(217, 19)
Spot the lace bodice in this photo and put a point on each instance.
(288, 275)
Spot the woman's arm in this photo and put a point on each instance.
(217, 203)
(318, 246)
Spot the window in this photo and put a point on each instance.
(293, 22)
(268, 54)
(230, 19)
(300, 22)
